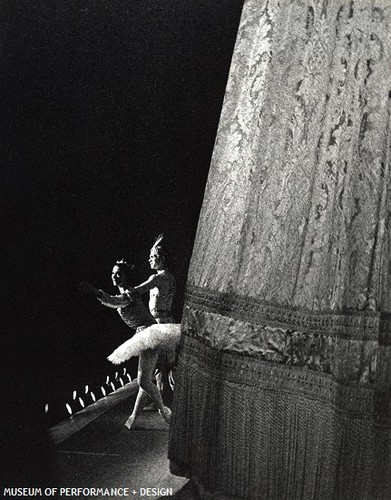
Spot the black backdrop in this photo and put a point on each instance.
(109, 111)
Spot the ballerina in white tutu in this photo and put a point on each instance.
(148, 342)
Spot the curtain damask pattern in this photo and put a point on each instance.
(284, 376)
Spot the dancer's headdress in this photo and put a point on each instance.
(160, 249)
(157, 243)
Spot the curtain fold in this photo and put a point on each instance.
(284, 372)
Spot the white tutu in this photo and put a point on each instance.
(164, 337)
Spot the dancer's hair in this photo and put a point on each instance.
(125, 267)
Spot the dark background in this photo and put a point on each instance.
(109, 111)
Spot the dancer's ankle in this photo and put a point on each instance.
(130, 422)
(165, 413)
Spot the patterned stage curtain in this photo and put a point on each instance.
(284, 373)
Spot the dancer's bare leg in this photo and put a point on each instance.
(147, 363)
(146, 366)
(141, 400)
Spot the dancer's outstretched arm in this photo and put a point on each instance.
(151, 282)
(113, 301)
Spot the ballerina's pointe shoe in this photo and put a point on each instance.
(166, 414)
(130, 422)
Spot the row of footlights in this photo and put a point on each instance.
(85, 397)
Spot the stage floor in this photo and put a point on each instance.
(95, 450)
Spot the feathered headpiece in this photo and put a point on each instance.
(160, 249)
(158, 240)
